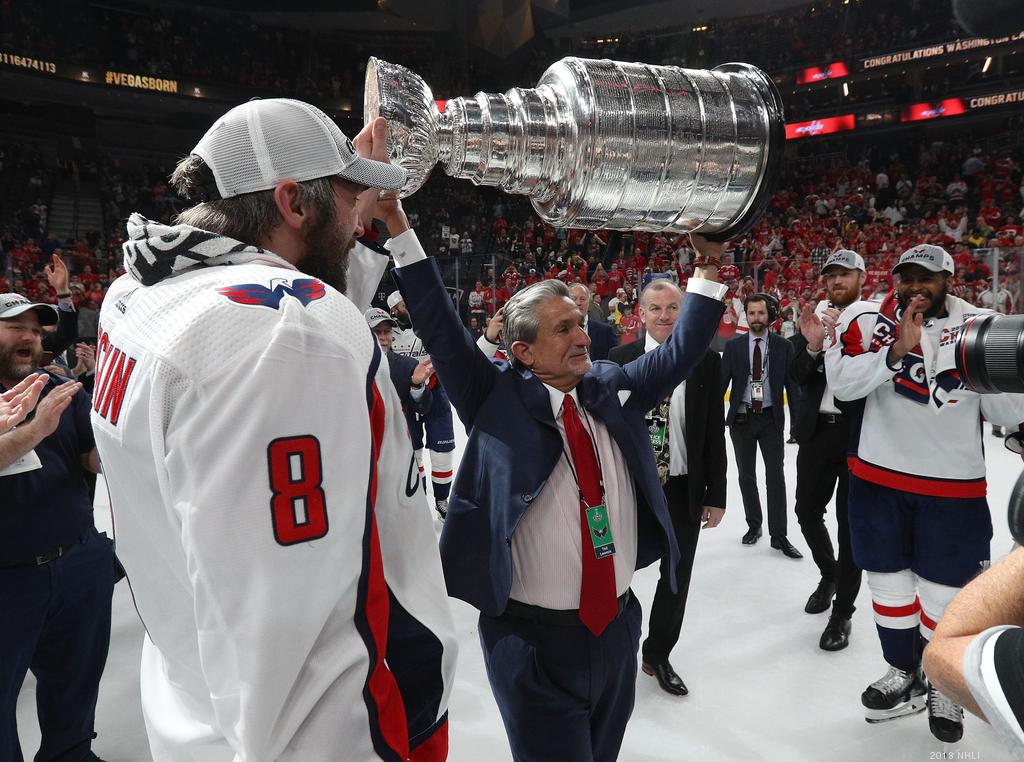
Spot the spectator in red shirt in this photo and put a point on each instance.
(629, 325)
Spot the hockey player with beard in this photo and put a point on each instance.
(258, 460)
(919, 522)
(822, 430)
(437, 423)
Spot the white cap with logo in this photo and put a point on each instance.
(930, 257)
(375, 316)
(394, 298)
(845, 258)
(258, 144)
(12, 305)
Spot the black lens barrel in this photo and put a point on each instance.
(990, 354)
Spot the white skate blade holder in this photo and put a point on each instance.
(917, 703)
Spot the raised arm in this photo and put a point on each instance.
(655, 374)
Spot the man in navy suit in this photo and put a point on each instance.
(557, 499)
(756, 365)
(602, 337)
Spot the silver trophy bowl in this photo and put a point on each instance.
(600, 144)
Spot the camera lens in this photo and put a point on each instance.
(990, 354)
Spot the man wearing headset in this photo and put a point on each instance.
(756, 366)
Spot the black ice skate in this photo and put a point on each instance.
(896, 694)
(945, 719)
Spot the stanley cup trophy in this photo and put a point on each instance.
(600, 144)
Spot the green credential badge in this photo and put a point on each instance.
(600, 531)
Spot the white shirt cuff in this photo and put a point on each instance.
(707, 288)
(405, 248)
(66, 304)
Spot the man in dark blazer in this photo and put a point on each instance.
(693, 471)
(756, 365)
(527, 539)
(821, 426)
(602, 336)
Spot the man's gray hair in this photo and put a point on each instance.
(659, 284)
(521, 322)
(582, 285)
(251, 217)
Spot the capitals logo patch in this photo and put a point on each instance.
(306, 290)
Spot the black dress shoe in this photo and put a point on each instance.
(821, 598)
(836, 636)
(667, 678)
(781, 543)
(751, 536)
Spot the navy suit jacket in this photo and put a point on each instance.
(602, 339)
(514, 443)
(736, 370)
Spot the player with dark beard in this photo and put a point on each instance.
(259, 463)
(919, 522)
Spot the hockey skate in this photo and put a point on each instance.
(441, 506)
(896, 694)
(945, 719)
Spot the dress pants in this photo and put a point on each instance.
(668, 608)
(56, 622)
(820, 465)
(563, 694)
(748, 432)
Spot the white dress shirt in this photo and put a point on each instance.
(677, 465)
(766, 399)
(828, 399)
(547, 561)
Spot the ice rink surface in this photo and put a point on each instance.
(760, 688)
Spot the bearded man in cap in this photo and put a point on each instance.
(822, 429)
(56, 571)
(919, 522)
(258, 461)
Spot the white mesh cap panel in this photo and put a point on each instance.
(301, 149)
(228, 150)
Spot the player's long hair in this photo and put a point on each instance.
(251, 217)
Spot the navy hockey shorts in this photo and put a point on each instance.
(942, 539)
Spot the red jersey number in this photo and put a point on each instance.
(299, 506)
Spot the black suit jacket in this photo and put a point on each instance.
(704, 424)
(736, 371)
(809, 372)
(602, 339)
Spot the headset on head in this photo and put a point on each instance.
(770, 302)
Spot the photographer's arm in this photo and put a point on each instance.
(990, 600)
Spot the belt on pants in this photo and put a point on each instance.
(47, 555)
(764, 409)
(524, 612)
(830, 417)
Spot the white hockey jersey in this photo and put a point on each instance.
(921, 428)
(267, 511)
(407, 343)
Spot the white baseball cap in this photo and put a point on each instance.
(12, 305)
(375, 316)
(394, 298)
(846, 258)
(258, 144)
(929, 256)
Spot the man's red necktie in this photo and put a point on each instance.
(755, 373)
(598, 602)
